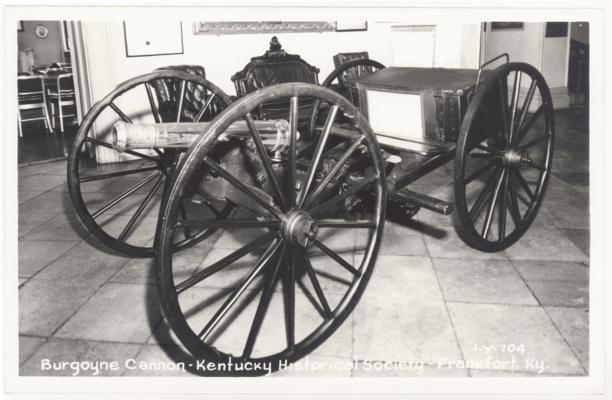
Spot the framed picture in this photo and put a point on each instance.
(496, 26)
(238, 27)
(151, 39)
(349, 26)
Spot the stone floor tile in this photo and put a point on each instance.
(397, 279)
(45, 305)
(27, 222)
(415, 370)
(453, 247)
(40, 183)
(48, 168)
(511, 325)
(28, 345)
(545, 244)
(136, 270)
(117, 312)
(573, 323)
(46, 203)
(23, 195)
(83, 263)
(552, 270)
(408, 331)
(580, 237)
(141, 234)
(396, 241)
(34, 255)
(482, 281)
(87, 353)
(64, 226)
(561, 293)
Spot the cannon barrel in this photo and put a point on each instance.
(126, 136)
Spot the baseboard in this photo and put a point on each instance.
(560, 97)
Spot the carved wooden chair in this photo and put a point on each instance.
(274, 67)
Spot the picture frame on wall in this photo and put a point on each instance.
(496, 26)
(146, 39)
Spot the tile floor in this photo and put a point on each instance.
(432, 300)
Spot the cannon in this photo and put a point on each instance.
(269, 226)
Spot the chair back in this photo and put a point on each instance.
(168, 92)
(275, 66)
(65, 83)
(29, 85)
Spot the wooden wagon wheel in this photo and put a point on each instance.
(118, 201)
(504, 157)
(231, 309)
(336, 81)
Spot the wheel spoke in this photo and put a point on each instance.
(524, 185)
(486, 149)
(230, 178)
(536, 166)
(514, 209)
(263, 154)
(344, 195)
(289, 300)
(313, 197)
(483, 155)
(221, 312)
(115, 174)
(224, 262)
(317, 155)
(293, 121)
(345, 224)
(483, 196)
(525, 128)
(487, 224)
(154, 109)
(183, 212)
(231, 223)
(501, 235)
(316, 285)
(480, 171)
(204, 108)
(181, 99)
(515, 97)
(266, 295)
(336, 257)
(534, 142)
(122, 196)
(121, 114)
(140, 209)
(526, 104)
(503, 87)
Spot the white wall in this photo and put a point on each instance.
(549, 55)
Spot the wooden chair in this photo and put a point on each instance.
(274, 67)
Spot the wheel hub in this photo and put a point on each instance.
(300, 229)
(516, 158)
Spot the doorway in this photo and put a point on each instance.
(44, 59)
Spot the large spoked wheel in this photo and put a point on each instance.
(117, 195)
(337, 81)
(294, 229)
(504, 157)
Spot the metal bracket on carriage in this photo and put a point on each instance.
(127, 136)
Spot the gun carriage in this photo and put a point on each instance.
(291, 163)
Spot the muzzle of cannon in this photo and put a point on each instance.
(126, 136)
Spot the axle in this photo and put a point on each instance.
(274, 134)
